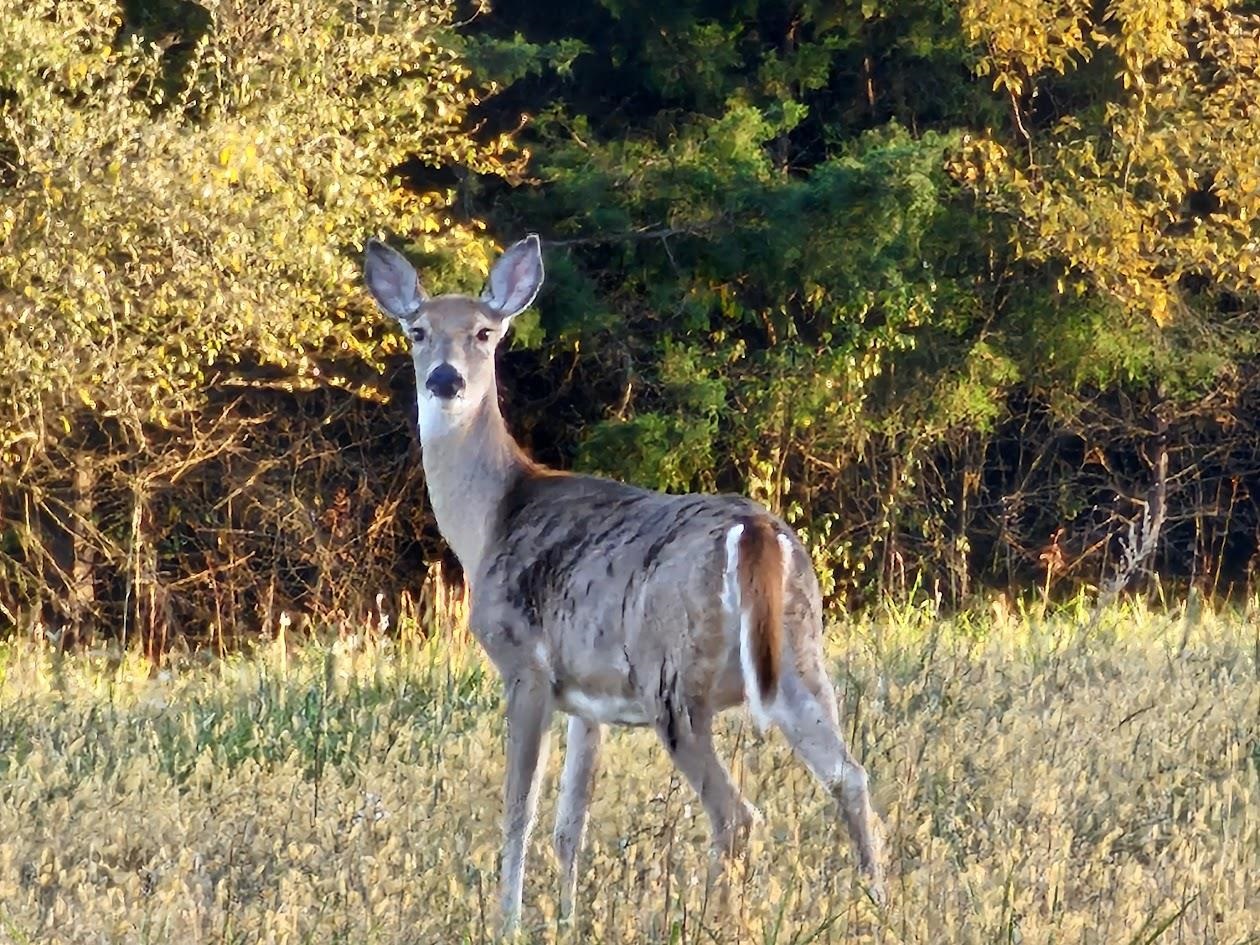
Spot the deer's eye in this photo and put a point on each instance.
(417, 334)
(483, 334)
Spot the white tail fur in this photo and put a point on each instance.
(733, 599)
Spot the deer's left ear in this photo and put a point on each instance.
(391, 280)
(515, 278)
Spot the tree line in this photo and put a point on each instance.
(966, 291)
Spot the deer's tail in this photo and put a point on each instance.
(756, 571)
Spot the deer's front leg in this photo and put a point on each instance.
(528, 714)
(581, 758)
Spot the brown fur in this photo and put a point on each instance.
(761, 588)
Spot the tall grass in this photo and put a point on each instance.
(1042, 780)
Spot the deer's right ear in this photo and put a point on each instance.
(515, 278)
(391, 280)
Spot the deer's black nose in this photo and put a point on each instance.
(444, 382)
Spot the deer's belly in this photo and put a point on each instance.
(601, 707)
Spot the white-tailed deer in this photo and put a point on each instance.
(611, 603)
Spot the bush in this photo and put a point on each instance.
(200, 420)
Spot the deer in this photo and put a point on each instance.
(610, 603)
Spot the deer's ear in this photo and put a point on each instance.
(391, 280)
(515, 278)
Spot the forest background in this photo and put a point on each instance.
(967, 291)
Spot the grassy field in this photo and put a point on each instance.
(1040, 782)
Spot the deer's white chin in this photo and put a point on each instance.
(438, 416)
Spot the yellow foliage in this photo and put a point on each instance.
(149, 197)
(1164, 184)
(1024, 39)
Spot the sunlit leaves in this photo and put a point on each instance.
(162, 231)
(1024, 39)
(1155, 185)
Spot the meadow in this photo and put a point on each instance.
(1042, 777)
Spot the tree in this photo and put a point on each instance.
(180, 217)
(802, 252)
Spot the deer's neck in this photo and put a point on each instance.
(469, 464)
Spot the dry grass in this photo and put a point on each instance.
(1039, 785)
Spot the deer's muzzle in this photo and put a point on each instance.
(445, 382)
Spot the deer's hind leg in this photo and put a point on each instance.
(805, 711)
(689, 741)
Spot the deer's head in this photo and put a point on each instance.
(454, 337)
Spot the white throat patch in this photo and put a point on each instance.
(434, 420)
